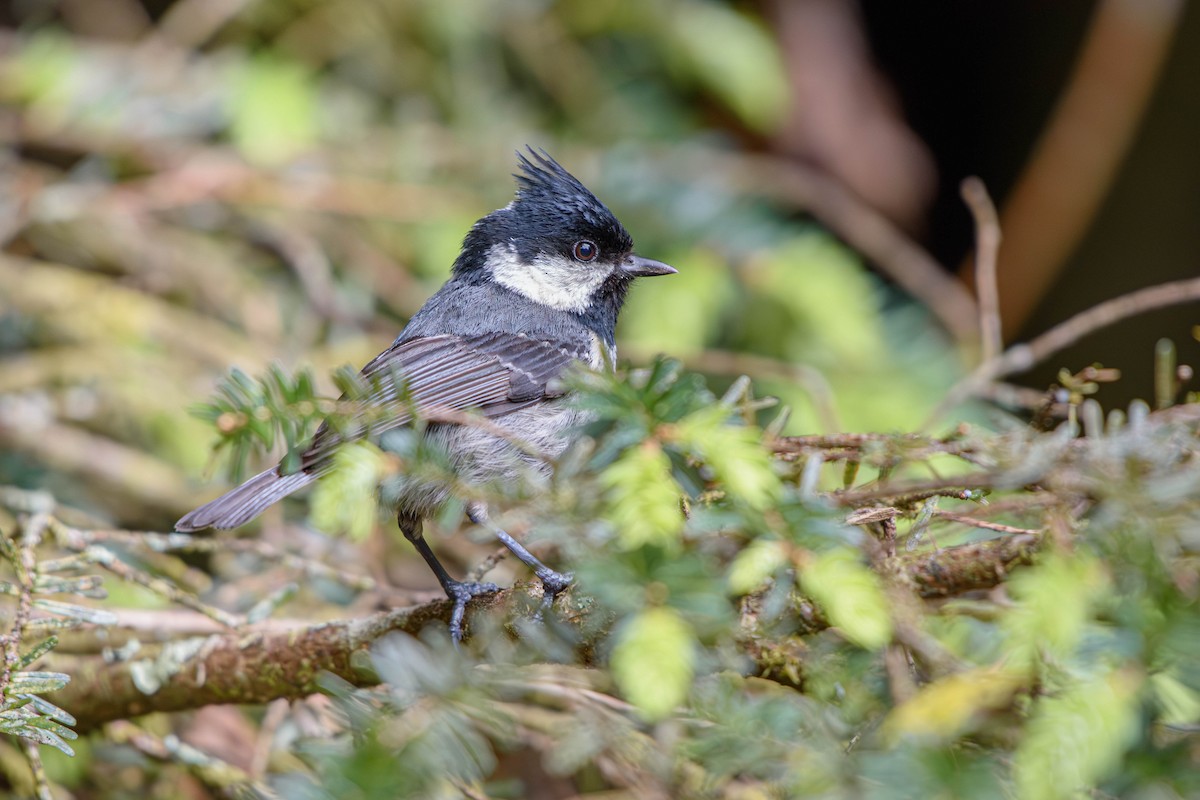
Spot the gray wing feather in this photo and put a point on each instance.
(496, 373)
(240, 505)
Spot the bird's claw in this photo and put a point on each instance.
(553, 584)
(460, 593)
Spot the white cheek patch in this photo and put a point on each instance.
(554, 281)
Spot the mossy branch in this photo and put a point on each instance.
(261, 664)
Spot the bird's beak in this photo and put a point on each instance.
(638, 267)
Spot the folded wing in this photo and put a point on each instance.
(494, 373)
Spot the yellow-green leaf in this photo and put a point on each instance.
(274, 110)
(947, 707)
(734, 453)
(850, 595)
(755, 564)
(1179, 703)
(693, 300)
(344, 500)
(643, 499)
(735, 57)
(1076, 738)
(1053, 604)
(653, 661)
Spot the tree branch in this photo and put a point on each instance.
(258, 666)
(248, 667)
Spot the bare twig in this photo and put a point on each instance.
(78, 539)
(987, 245)
(868, 446)
(981, 523)
(41, 782)
(1022, 357)
(1081, 148)
(24, 565)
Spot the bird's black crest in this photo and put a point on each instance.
(551, 211)
(545, 185)
(547, 180)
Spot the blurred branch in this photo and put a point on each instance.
(954, 570)
(987, 245)
(260, 664)
(213, 772)
(150, 482)
(1022, 357)
(863, 228)
(191, 23)
(1081, 148)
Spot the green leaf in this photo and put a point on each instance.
(345, 499)
(733, 452)
(37, 651)
(1077, 738)
(76, 613)
(1180, 704)
(948, 706)
(733, 56)
(643, 499)
(759, 561)
(274, 110)
(1054, 601)
(654, 660)
(37, 682)
(850, 595)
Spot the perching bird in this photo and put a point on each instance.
(537, 286)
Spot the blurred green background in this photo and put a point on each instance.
(189, 186)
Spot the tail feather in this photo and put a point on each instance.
(239, 506)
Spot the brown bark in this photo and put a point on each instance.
(257, 666)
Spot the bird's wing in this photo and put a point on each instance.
(495, 373)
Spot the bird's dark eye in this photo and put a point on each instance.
(586, 251)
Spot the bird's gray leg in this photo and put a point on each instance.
(459, 592)
(553, 583)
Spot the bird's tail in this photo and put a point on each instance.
(239, 506)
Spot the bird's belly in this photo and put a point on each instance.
(473, 458)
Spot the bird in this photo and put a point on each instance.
(536, 288)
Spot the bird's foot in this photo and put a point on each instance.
(553, 584)
(460, 593)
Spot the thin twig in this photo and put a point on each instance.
(77, 539)
(980, 523)
(1080, 149)
(41, 782)
(1022, 357)
(987, 245)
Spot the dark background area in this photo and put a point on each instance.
(978, 82)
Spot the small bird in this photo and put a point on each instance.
(536, 287)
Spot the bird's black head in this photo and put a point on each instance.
(555, 244)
